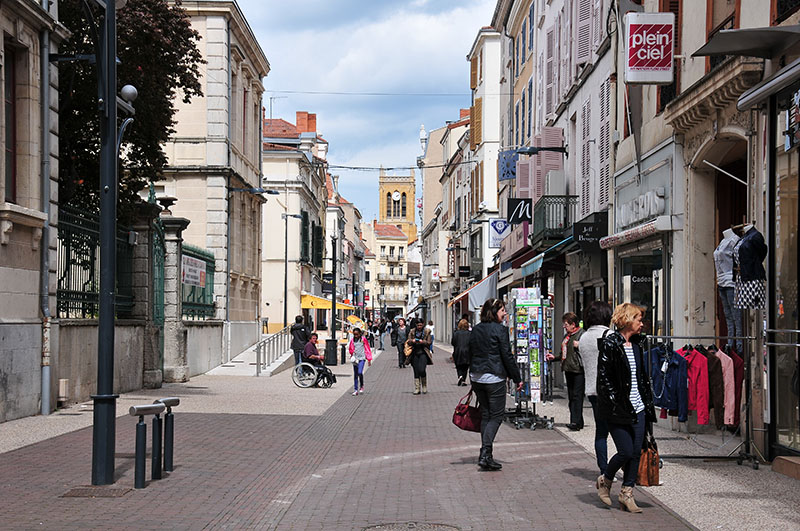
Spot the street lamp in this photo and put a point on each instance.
(254, 190)
(533, 150)
(286, 263)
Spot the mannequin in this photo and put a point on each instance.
(723, 262)
(750, 290)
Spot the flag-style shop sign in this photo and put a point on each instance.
(649, 45)
(520, 210)
(507, 162)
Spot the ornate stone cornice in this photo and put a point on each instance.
(716, 90)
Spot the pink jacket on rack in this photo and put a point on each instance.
(698, 383)
(730, 394)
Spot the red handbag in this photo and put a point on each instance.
(466, 416)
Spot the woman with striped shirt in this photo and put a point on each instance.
(625, 400)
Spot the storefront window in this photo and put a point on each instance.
(787, 216)
(642, 283)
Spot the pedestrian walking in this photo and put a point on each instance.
(420, 341)
(399, 336)
(430, 328)
(596, 320)
(460, 344)
(360, 353)
(491, 364)
(625, 401)
(300, 337)
(572, 366)
(381, 331)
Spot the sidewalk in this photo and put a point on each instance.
(261, 453)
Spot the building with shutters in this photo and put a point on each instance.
(293, 243)
(389, 270)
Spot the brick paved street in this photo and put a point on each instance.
(383, 457)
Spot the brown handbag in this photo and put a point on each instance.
(408, 349)
(649, 462)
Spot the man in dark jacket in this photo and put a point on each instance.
(572, 365)
(300, 337)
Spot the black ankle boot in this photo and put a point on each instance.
(486, 462)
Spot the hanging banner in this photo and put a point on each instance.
(507, 164)
(498, 230)
(520, 210)
(649, 45)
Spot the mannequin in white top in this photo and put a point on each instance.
(723, 261)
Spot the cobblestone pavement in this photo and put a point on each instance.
(384, 457)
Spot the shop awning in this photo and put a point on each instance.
(308, 301)
(478, 293)
(535, 264)
(780, 80)
(766, 43)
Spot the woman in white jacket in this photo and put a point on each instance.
(596, 320)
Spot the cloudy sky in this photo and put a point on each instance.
(413, 49)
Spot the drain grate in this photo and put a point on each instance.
(97, 491)
(405, 526)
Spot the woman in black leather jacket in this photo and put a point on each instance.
(491, 363)
(624, 399)
(460, 344)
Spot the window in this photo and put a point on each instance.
(244, 122)
(391, 270)
(388, 205)
(516, 124)
(523, 117)
(400, 252)
(782, 9)
(366, 276)
(530, 105)
(530, 26)
(391, 250)
(524, 36)
(401, 271)
(383, 249)
(403, 205)
(667, 93)
(9, 95)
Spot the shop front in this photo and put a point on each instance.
(779, 98)
(588, 264)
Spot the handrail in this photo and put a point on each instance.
(271, 348)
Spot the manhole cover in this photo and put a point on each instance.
(405, 526)
(95, 492)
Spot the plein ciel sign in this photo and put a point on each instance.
(520, 210)
(649, 45)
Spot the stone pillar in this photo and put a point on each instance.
(176, 366)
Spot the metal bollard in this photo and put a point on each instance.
(258, 359)
(141, 439)
(169, 430)
(155, 463)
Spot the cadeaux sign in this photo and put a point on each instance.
(649, 45)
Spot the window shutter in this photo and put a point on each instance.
(583, 32)
(523, 178)
(557, 61)
(566, 56)
(604, 144)
(597, 24)
(305, 237)
(472, 131)
(537, 173)
(477, 125)
(530, 106)
(548, 74)
(473, 73)
(317, 246)
(585, 158)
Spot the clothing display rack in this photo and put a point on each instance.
(744, 448)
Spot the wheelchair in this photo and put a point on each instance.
(307, 375)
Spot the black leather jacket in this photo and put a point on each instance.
(460, 344)
(300, 336)
(614, 380)
(490, 352)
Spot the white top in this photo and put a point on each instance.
(587, 345)
(636, 398)
(723, 260)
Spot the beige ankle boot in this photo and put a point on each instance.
(604, 489)
(626, 501)
(424, 385)
(416, 386)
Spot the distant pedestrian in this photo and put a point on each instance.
(300, 337)
(430, 328)
(381, 331)
(399, 336)
(460, 344)
(420, 340)
(596, 320)
(491, 364)
(360, 353)
(572, 366)
(625, 401)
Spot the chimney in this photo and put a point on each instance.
(464, 113)
(301, 121)
(312, 123)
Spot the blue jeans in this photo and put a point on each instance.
(733, 318)
(492, 403)
(298, 356)
(358, 374)
(600, 437)
(628, 438)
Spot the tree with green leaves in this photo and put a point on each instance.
(158, 54)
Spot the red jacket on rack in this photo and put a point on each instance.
(698, 383)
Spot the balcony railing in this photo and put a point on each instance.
(784, 8)
(729, 23)
(392, 277)
(553, 216)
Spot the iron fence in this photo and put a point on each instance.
(77, 293)
(198, 301)
(553, 215)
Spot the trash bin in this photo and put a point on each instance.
(330, 352)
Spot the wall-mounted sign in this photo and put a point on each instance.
(463, 271)
(649, 205)
(507, 164)
(649, 45)
(193, 271)
(587, 235)
(435, 275)
(498, 230)
(520, 210)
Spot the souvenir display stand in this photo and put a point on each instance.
(531, 329)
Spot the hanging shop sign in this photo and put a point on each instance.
(435, 275)
(507, 162)
(588, 235)
(193, 271)
(463, 271)
(520, 210)
(498, 230)
(649, 45)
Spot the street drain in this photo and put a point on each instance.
(421, 526)
(95, 492)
